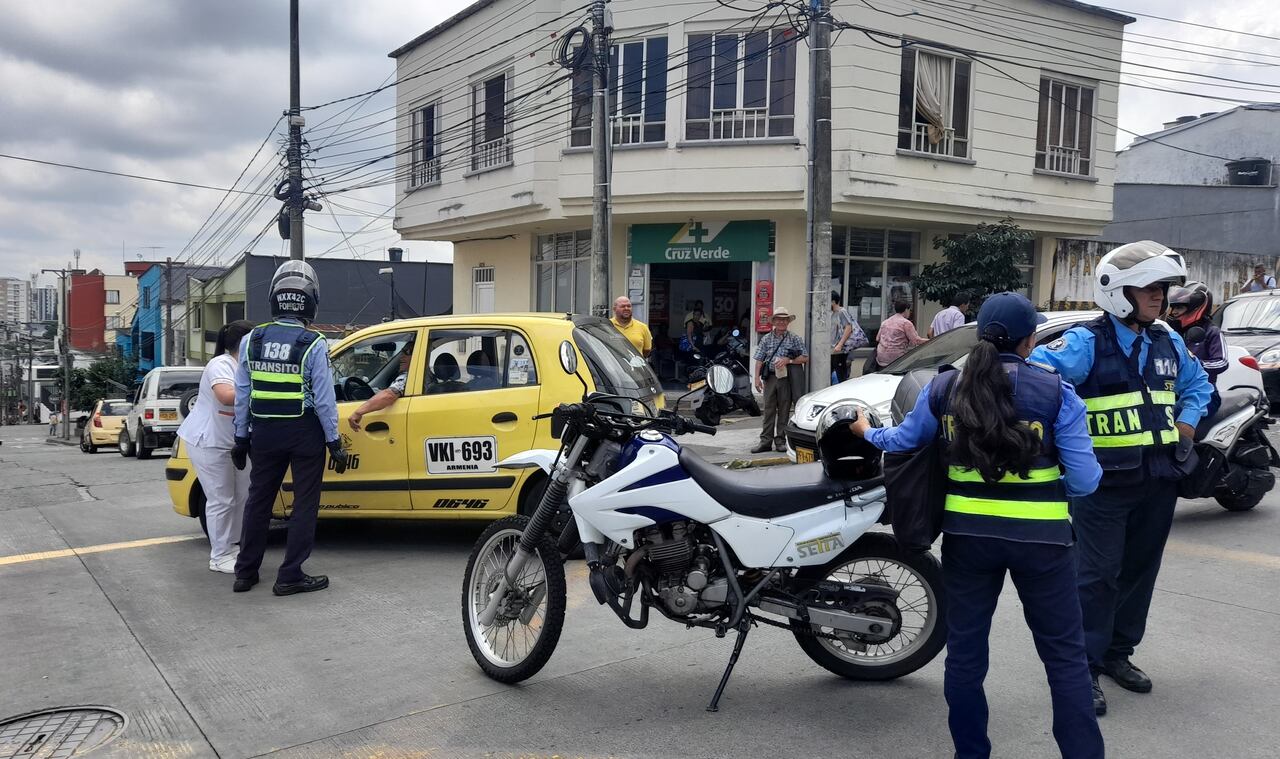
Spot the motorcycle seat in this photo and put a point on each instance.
(766, 493)
(1233, 402)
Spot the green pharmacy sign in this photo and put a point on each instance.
(700, 242)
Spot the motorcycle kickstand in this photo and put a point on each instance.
(743, 627)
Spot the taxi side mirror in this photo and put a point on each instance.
(568, 358)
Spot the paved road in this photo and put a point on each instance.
(377, 665)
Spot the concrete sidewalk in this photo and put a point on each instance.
(731, 445)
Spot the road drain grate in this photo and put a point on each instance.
(59, 733)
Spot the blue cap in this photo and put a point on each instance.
(1007, 316)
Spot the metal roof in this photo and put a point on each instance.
(480, 5)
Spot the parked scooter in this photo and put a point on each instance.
(708, 405)
(1236, 456)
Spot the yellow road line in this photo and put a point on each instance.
(1200, 550)
(62, 553)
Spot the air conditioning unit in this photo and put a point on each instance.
(1249, 172)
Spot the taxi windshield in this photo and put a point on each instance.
(614, 363)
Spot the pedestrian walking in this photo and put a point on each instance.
(208, 433)
(286, 416)
(952, 316)
(53, 424)
(897, 335)
(1145, 394)
(775, 352)
(1017, 447)
(846, 336)
(636, 332)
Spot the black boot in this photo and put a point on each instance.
(1126, 675)
(1099, 698)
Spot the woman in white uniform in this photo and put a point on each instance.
(208, 434)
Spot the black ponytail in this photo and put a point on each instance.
(230, 335)
(989, 436)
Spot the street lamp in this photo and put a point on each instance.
(390, 275)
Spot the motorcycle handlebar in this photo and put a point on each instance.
(699, 427)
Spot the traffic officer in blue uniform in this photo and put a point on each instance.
(1145, 394)
(286, 416)
(1014, 437)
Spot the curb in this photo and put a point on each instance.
(60, 441)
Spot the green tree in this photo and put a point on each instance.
(105, 378)
(983, 262)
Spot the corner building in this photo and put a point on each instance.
(708, 123)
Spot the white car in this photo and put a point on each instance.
(876, 391)
(163, 400)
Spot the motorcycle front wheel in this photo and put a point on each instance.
(921, 629)
(531, 616)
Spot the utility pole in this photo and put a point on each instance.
(64, 350)
(600, 143)
(31, 381)
(168, 314)
(296, 122)
(819, 195)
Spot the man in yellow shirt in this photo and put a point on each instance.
(635, 331)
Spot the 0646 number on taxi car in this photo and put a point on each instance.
(461, 455)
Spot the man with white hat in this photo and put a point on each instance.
(774, 353)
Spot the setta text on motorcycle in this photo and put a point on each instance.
(664, 531)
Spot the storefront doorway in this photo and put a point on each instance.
(698, 280)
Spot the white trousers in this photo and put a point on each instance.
(225, 491)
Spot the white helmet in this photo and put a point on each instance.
(1137, 264)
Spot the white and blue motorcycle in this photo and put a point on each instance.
(663, 530)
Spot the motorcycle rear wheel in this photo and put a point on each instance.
(511, 650)
(917, 577)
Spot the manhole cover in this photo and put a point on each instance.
(59, 733)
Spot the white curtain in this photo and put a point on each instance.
(933, 77)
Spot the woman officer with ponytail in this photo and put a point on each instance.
(1016, 445)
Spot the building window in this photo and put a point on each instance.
(562, 271)
(146, 297)
(934, 103)
(147, 349)
(482, 283)
(637, 95)
(741, 86)
(232, 312)
(425, 134)
(490, 131)
(113, 322)
(872, 269)
(113, 297)
(1064, 134)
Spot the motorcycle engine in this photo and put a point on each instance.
(686, 576)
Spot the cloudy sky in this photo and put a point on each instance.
(188, 90)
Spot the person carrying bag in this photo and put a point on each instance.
(1016, 446)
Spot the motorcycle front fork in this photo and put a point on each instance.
(538, 524)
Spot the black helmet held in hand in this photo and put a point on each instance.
(295, 291)
(846, 456)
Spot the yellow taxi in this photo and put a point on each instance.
(472, 390)
(104, 424)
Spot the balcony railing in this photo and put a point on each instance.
(628, 130)
(922, 143)
(424, 172)
(1062, 159)
(491, 154)
(730, 124)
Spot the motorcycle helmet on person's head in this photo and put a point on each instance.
(295, 291)
(1190, 304)
(1137, 265)
(844, 455)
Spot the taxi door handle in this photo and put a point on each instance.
(376, 427)
(504, 417)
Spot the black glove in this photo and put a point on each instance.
(240, 453)
(339, 456)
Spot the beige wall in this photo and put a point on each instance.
(125, 309)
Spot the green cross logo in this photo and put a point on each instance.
(698, 232)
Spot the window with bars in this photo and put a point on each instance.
(741, 86)
(637, 95)
(562, 272)
(934, 107)
(1064, 133)
(425, 154)
(490, 127)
